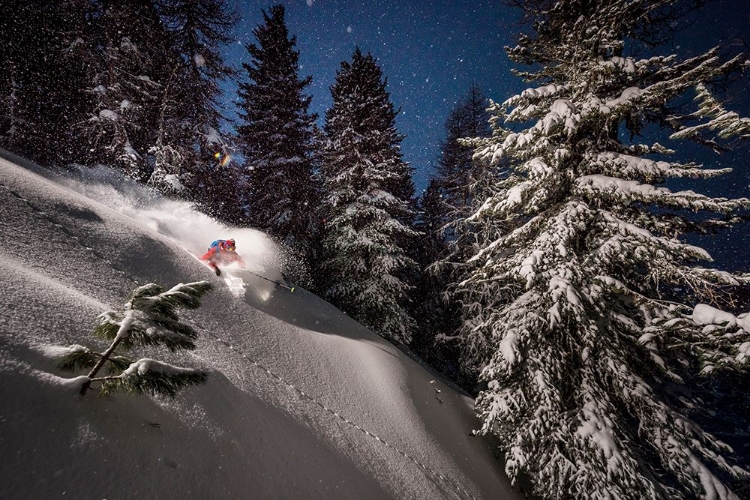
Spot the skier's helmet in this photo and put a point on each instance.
(230, 245)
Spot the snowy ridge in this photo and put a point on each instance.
(250, 427)
(460, 489)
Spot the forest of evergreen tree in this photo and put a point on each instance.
(136, 86)
(531, 255)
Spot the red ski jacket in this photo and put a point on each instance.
(218, 254)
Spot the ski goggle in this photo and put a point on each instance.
(230, 248)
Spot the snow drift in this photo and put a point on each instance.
(301, 401)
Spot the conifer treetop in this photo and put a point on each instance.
(368, 205)
(278, 137)
(580, 314)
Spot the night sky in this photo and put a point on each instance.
(431, 51)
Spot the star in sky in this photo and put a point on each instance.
(432, 51)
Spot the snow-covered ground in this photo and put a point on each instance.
(301, 401)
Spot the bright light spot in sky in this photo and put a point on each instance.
(309, 3)
(199, 60)
(348, 29)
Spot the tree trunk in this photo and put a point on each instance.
(100, 363)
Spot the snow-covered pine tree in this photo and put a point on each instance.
(581, 315)
(133, 83)
(20, 61)
(427, 295)
(430, 221)
(190, 118)
(126, 84)
(171, 153)
(276, 136)
(456, 172)
(43, 71)
(434, 316)
(367, 208)
(444, 207)
(149, 318)
(461, 181)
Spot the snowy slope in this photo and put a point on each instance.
(301, 402)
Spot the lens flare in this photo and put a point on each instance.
(224, 161)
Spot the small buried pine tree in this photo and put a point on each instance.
(148, 319)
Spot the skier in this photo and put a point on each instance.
(222, 252)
